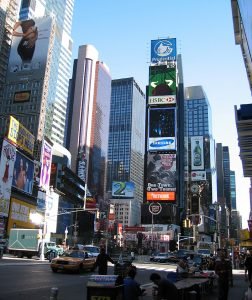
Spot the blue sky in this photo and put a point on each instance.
(121, 31)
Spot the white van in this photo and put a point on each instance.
(93, 250)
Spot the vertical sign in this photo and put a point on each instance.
(8, 157)
(46, 161)
(197, 153)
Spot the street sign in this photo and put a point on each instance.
(155, 208)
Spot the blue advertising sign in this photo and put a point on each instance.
(23, 173)
(123, 189)
(163, 50)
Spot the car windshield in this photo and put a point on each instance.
(162, 254)
(51, 244)
(204, 251)
(75, 254)
(92, 249)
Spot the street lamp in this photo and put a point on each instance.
(66, 232)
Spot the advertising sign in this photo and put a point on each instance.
(23, 173)
(29, 50)
(155, 208)
(20, 97)
(90, 203)
(197, 153)
(20, 212)
(162, 85)
(82, 163)
(161, 172)
(7, 161)
(123, 189)
(163, 50)
(198, 175)
(46, 161)
(161, 196)
(162, 129)
(20, 136)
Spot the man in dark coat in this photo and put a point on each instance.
(222, 269)
(102, 262)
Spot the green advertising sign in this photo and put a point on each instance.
(162, 81)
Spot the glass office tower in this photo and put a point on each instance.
(126, 135)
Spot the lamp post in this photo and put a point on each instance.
(66, 232)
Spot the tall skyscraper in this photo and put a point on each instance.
(8, 16)
(37, 87)
(233, 190)
(126, 135)
(88, 123)
(227, 182)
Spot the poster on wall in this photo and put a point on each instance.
(162, 85)
(23, 173)
(46, 161)
(161, 172)
(197, 153)
(29, 50)
(7, 161)
(162, 129)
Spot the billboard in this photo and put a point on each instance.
(20, 212)
(161, 172)
(198, 175)
(197, 153)
(20, 136)
(29, 49)
(23, 96)
(7, 161)
(123, 189)
(162, 85)
(161, 196)
(162, 129)
(163, 50)
(46, 161)
(23, 174)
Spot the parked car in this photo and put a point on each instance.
(161, 257)
(182, 253)
(73, 260)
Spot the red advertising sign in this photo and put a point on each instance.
(161, 196)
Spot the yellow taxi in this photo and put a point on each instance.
(73, 260)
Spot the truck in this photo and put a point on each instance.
(28, 242)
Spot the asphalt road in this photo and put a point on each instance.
(22, 279)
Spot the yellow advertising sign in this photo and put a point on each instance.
(19, 135)
(19, 216)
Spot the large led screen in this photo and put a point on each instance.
(123, 189)
(162, 129)
(161, 172)
(46, 161)
(23, 173)
(163, 50)
(162, 85)
(29, 49)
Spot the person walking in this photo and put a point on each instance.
(248, 266)
(222, 269)
(102, 262)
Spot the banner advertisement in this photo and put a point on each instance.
(162, 85)
(123, 189)
(23, 174)
(197, 153)
(161, 196)
(198, 175)
(90, 203)
(163, 50)
(20, 213)
(162, 129)
(7, 161)
(46, 161)
(161, 172)
(29, 50)
(20, 136)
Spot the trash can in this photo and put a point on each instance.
(105, 287)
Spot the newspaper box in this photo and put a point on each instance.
(104, 287)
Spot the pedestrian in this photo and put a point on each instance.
(248, 266)
(131, 290)
(237, 262)
(166, 289)
(222, 269)
(102, 262)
